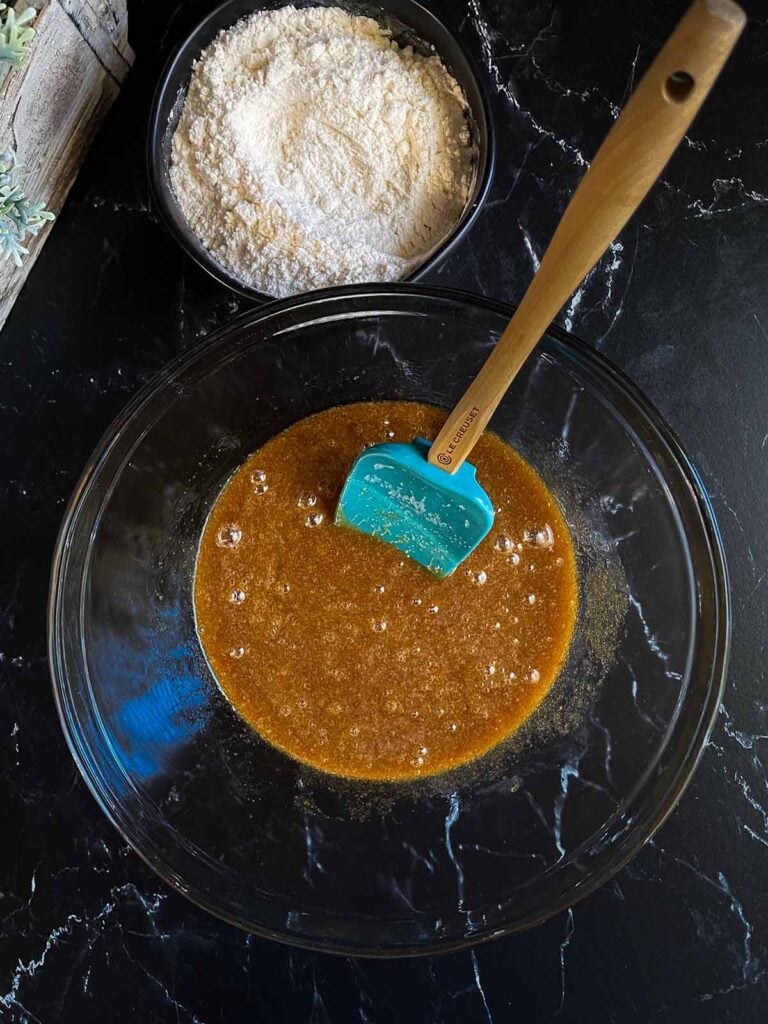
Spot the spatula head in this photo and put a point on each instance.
(395, 494)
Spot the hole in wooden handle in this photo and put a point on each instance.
(679, 86)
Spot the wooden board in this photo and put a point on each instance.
(51, 108)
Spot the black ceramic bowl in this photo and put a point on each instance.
(382, 869)
(410, 24)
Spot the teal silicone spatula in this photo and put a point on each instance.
(424, 499)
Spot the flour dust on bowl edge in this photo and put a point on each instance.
(409, 23)
(381, 869)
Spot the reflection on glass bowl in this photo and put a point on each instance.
(370, 868)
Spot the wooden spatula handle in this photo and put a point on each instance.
(630, 159)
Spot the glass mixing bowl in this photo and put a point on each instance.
(384, 869)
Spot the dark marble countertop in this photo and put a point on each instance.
(88, 933)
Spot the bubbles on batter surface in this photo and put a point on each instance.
(379, 589)
(503, 543)
(314, 519)
(543, 537)
(490, 670)
(237, 596)
(379, 626)
(259, 481)
(534, 675)
(237, 652)
(479, 578)
(530, 599)
(307, 500)
(433, 609)
(285, 588)
(389, 434)
(514, 558)
(229, 536)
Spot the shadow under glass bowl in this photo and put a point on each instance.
(370, 869)
(410, 25)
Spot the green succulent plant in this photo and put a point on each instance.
(15, 35)
(18, 217)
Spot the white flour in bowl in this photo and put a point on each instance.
(312, 150)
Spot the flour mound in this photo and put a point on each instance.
(312, 150)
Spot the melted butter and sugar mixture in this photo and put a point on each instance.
(347, 655)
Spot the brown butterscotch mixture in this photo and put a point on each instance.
(345, 654)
